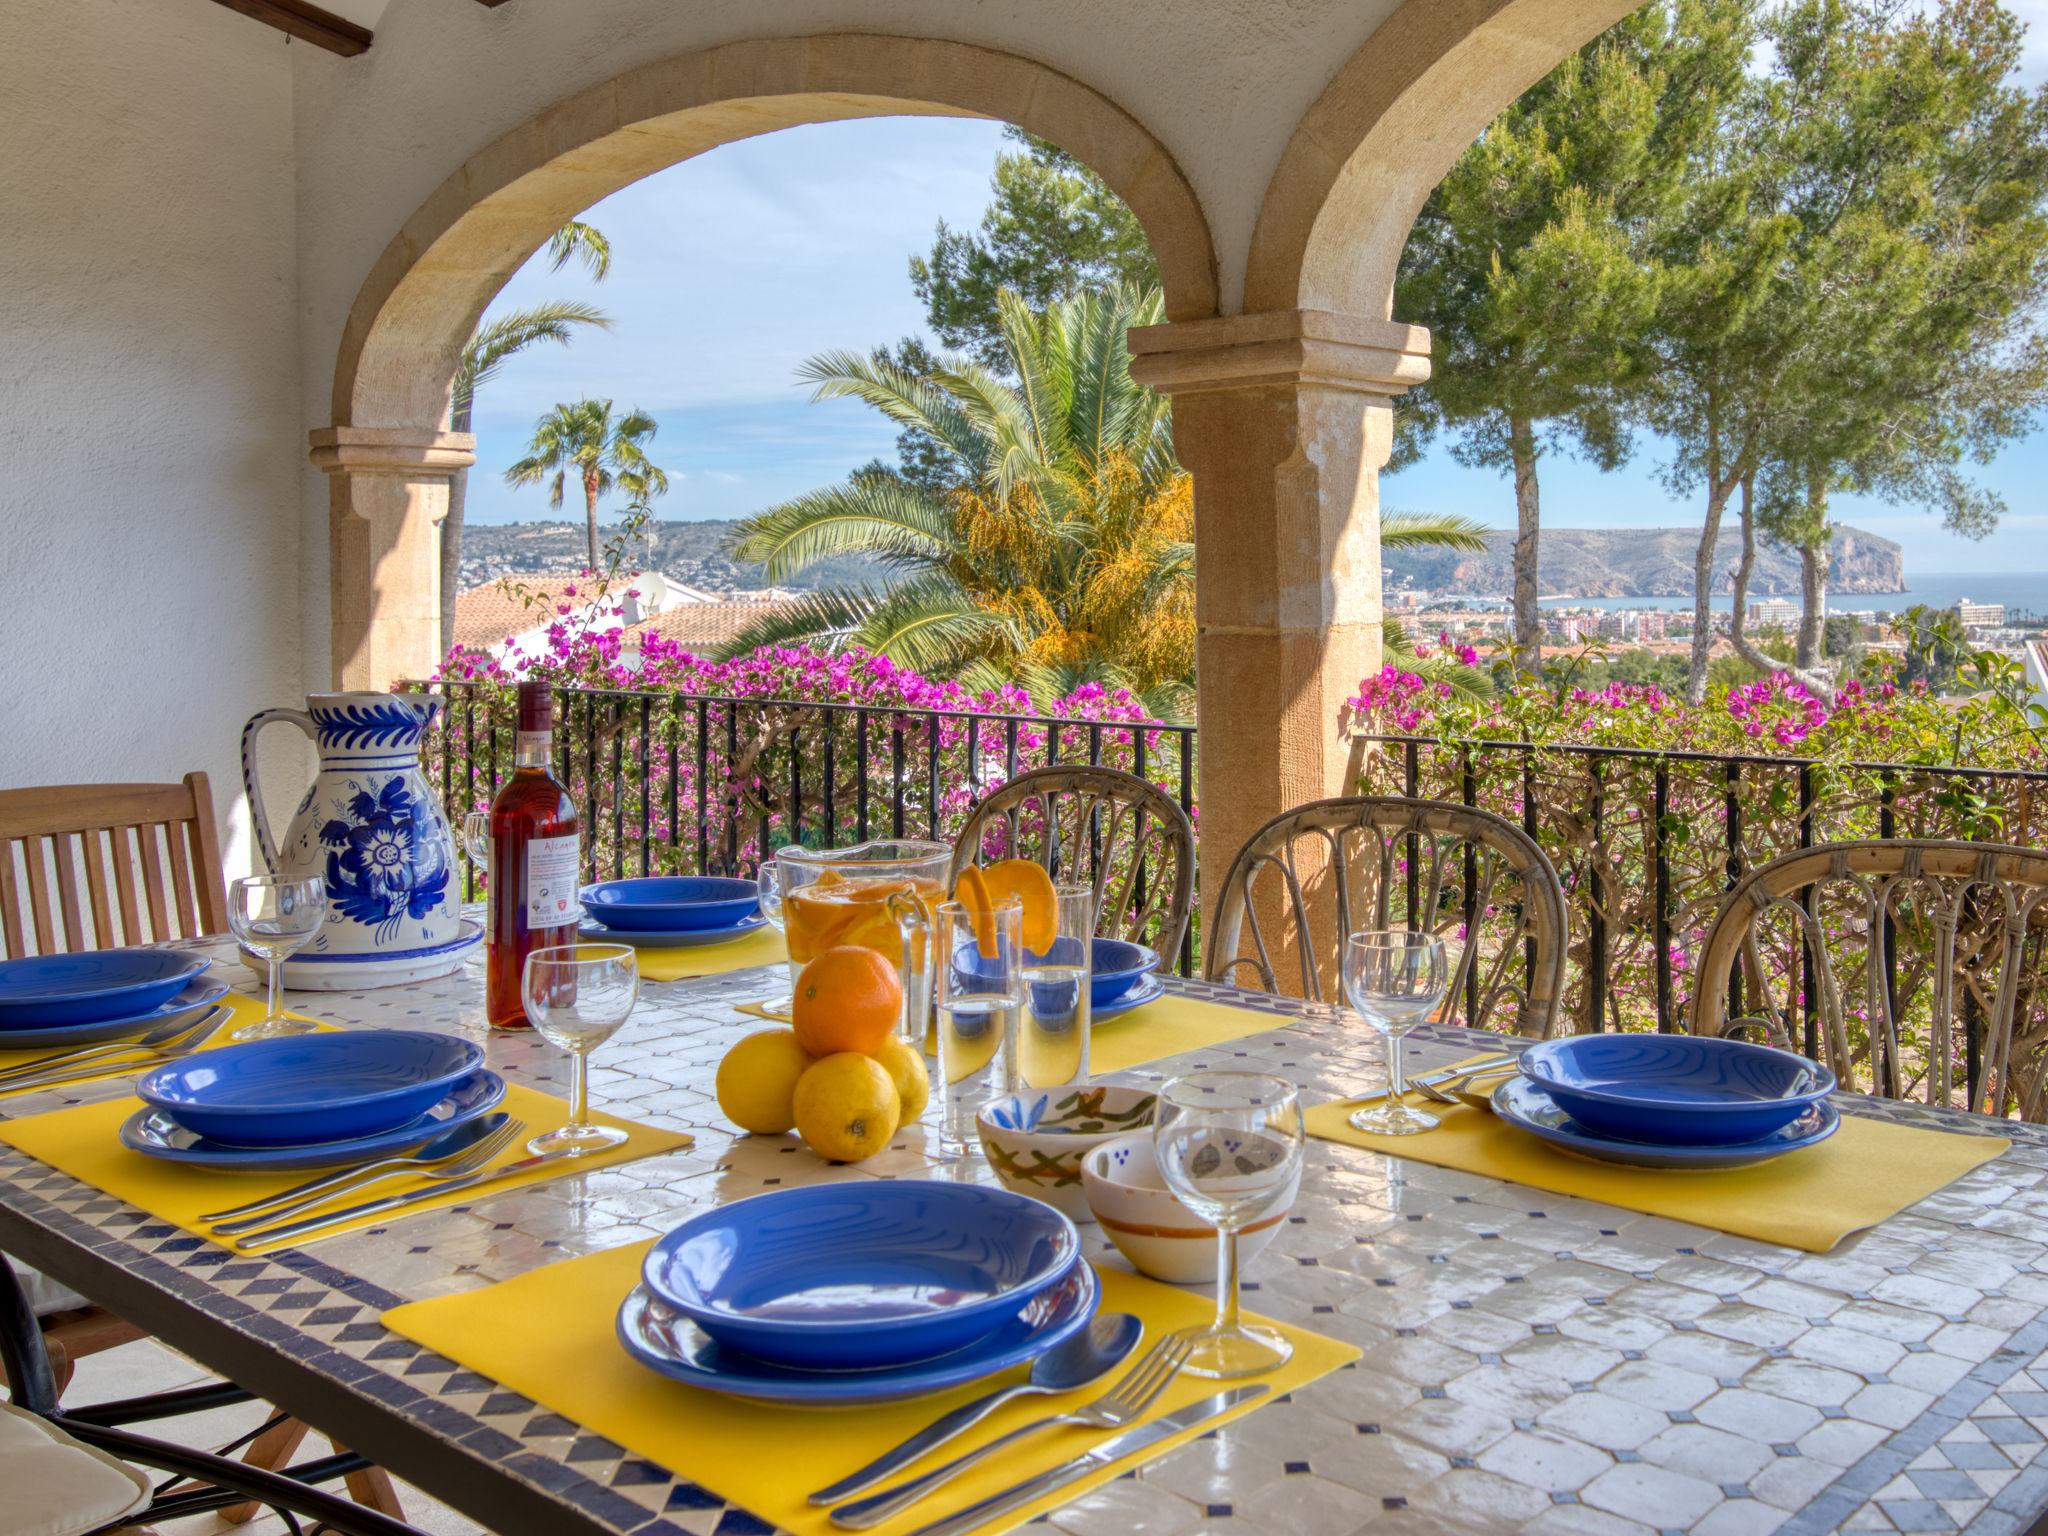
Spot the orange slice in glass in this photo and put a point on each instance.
(1030, 884)
(971, 891)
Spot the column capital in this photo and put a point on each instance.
(400, 451)
(1280, 349)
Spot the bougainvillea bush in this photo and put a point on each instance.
(682, 763)
(1681, 799)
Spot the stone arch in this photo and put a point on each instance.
(433, 281)
(1386, 130)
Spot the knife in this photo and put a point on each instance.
(248, 1242)
(1492, 1066)
(1032, 1489)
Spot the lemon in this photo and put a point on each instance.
(846, 1107)
(757, 1081)
(905, 1066)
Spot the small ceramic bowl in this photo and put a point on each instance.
(1160, 1236)
(1035, 1141)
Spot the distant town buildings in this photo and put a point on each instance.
(1980, 615)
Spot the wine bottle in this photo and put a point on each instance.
(536, 856)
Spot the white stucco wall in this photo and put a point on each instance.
(152, 448)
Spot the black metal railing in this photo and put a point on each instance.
(1648, 843)
(692, 783)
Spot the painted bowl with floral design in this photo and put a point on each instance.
(1148, 1224)
(1035, 1140)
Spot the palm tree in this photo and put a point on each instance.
(1432, 530)
(601, 450)
(485, 352)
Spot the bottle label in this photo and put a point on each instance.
(551, 880)
(539, 743)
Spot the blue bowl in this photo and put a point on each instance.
(671, 902)
(1676, 1090)
(92, 985)
(861, 1275)
(1116, 966)
(310, 1088)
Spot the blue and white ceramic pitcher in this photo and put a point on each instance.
(372, 825)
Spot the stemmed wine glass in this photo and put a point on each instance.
(577, 996)
(273, 916)
(1229, 1146)
(772, 892)
(476, 838)
(1395, 979)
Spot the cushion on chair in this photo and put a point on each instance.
(46, 1295)
(54, 1485)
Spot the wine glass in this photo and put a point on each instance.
(771, 883)
(577, 996)
(476, 837)
(273, 916)
(1229, 1146)
(1395, 979)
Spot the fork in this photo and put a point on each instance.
(459, 1167)
(422, 1156)
(1120, 1405)
(102, 1060)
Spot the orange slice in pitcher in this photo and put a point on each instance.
(971, 891)
(1030, 884)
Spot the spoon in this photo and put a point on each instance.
(178, 1036)
(444, 1146)
(1073, 1363)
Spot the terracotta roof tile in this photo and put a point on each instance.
(704, 626)
(485, 615)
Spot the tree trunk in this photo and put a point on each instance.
(1815, 681)
(1528, 517)
(1813, 579)
(451, 556)
(1703, 591)
(590, 516)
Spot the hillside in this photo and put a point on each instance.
(1580, 562)
(1644, 562)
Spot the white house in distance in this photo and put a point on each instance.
(496, 618)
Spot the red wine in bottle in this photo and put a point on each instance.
(535, 862)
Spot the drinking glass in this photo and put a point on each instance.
(976, 1015)
(772, 892)
(1053, 1021)
(1395, 979)
(273, 916)
(1229, 1147)
(476, 837)
(577, 996)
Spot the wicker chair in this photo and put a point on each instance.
(1111, 828)
(1915, 968)
(1385, 862)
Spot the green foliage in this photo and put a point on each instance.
(1052, 230)
(602, 451)
(499, 340)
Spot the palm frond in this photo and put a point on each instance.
(1469, 682)
(577, 241)
(1432, 530)
(929, 624)
(497, 340)
(879, 516)
(903, 397)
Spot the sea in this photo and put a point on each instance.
(2020, 592)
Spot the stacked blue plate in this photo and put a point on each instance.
(1670, 1101)
(100, 995)
(671, 910)
(309, 1101)
(1121, 975)
(861, 1292)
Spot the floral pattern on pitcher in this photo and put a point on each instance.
(381, 865)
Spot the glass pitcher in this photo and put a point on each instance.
(881, 896)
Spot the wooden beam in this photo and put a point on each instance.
(307, 22)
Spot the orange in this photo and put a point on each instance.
(847, 999)
(971, 891)
(1029, 883)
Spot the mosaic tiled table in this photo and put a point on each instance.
(1532, 1362)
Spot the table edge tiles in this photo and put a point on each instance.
(234, 1312)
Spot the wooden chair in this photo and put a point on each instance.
(135, 849)
(1917, 969)
(1102, 825)
(133, 852)
(1314, 874)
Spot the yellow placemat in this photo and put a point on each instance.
(84, 1142)
(549, 1335)
(773, 1015)
(1168, 1026)
(242, 1010)
(1811, 1199)
(761, 947)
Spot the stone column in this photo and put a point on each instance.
(387, 494)
(1285, 420)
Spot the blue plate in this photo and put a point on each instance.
(1676, 1090)
(1115, 967)
(861, 1274)
(1149, 990)
(672, 903)
(200, 993)
(1522, 1103)
(677, 938)
(663, 1340)
(308, 1088)
(155, 1134)
(92, 985)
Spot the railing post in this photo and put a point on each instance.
(1808, 1008)
(1731, 806)
(1660, 803)
(1469, 785)
(1887, 828)
(1596, 909)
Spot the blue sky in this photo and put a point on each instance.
(733, 268)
